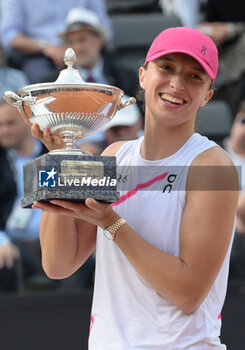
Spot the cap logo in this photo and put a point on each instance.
(203, 50)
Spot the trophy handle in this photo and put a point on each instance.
(130, 101)
(17, 101)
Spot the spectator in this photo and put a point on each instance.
(235, 146)
(10, 78)
(86, 34)
(225, 24)
(235, 143)
(31, 28)
(19, 227)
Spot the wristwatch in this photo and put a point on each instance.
(110, 231)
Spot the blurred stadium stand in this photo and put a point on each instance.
(214, 120)
(233, 316)
(133, 34)
(46, 321)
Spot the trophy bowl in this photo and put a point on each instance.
(71, 108)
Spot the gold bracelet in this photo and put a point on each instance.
(111, 230)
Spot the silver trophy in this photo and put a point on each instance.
(72, 108)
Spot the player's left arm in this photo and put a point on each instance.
(205, 235)
(208, 220)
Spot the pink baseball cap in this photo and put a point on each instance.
(189, 41)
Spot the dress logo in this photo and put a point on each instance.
(170, 179)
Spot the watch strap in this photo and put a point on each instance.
(115, 227)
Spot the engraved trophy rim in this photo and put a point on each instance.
(53, 86)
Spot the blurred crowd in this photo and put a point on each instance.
(34, 36)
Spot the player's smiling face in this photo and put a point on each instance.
(175, 85)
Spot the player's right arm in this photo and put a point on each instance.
(66, 241)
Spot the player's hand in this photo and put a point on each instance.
(50, 141)
(97, 213)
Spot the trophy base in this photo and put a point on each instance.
(76, 196)
(70, 177)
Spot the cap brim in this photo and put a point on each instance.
(205, 66)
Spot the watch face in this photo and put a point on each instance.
(108, 235)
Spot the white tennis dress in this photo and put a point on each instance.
(127, 313)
